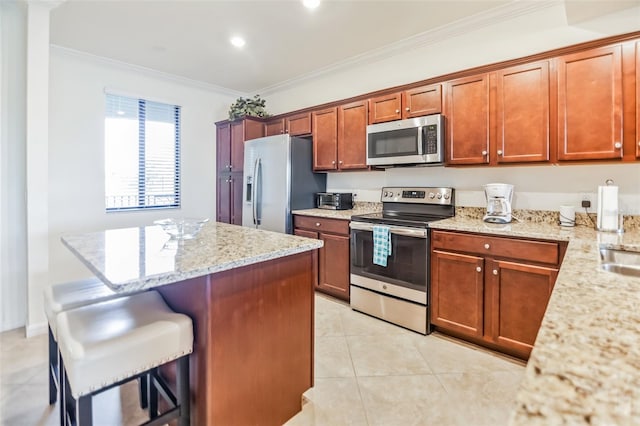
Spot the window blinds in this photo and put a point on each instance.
(142, 154)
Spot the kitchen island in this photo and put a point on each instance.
(585, 364)
(250, 296)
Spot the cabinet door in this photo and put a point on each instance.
(237, 146)
(637, 141)
(235, 189)
(522, 111)
(299, 124)
(325, 139)
(385, 108)
(334, 265)
(519, 295)
(274, 127)
(422, 101)
(590, 104)
(457, 292)
(467, 112)
(223, 198)
(352, 135)
(223, 147)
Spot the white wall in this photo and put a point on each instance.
(537, 187)
(13, 234)
(76, 150)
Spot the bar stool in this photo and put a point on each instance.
(107, 344)
(65, 296)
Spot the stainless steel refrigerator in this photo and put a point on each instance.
(278, 178)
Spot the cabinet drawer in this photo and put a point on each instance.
(529, 250)
(318, 224)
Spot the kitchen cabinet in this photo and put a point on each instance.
(274, 127)
(230, 138)
(590, 104)
(637, 139)
(340, 137)
(333, 258)
(298, 124)
(522, 114)
(466, 109)
(410, 103)
(492, 290)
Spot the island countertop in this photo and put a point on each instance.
(585, 364)
(133, 259)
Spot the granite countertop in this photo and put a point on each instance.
(585, 364)
(359, 208)
(134, 259)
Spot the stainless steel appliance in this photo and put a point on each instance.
(499, 196)
(399, 292)
(278, 178)
(415, 141)
(334, 200)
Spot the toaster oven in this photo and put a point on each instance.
(334, 200)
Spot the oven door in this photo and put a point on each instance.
(405, 275)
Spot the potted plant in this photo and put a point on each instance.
(253, 107)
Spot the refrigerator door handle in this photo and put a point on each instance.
(254, 196)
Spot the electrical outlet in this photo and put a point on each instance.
(586, 200)
(586, 204)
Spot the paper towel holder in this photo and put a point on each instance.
(609, 218)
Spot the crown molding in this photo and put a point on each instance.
(457, 28)
(147, 71)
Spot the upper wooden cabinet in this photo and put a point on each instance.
(340, 137)
(466, 109)
(522, 114)
(421, 101)
(352, 135)
(298, 124)
(415, 102)
(325, 139)
(590, 104)
(636, 141)
(274, 127)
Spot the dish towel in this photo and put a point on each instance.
(381, 244)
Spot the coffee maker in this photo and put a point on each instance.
(499, 197)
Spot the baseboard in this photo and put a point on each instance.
(36, 329)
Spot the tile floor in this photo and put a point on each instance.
(368, 372)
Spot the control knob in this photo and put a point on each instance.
(439, 196)
(431, 195)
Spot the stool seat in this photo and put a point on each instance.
(65, 296)
(104, 343)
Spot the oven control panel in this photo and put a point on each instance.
(428, 195)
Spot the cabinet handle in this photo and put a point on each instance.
(397, 111)
(617, 145)
(333, 162)
(407, 109)
(499, 152)
(478, 269)
(317, 223)
(340, 162)
(484, 152)
(495, 272)
(487, 246)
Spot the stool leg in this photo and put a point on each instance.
(153, 394)
(54, 375)
(143, 391)
(183, 391)
(84, 413)
(62, 397)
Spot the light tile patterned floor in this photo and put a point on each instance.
(368, 372)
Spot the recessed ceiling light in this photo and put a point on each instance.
(237, 41)
(311, 4)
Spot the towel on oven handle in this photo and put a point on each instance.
(381, 244)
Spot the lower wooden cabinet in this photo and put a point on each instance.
(333, 258)
(492, 290)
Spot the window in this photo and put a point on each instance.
(142, 154)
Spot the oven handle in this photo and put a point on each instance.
(406, 232)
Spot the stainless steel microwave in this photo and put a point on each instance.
(418, 141)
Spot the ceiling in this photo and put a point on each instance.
(285, 41)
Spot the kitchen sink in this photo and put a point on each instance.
(623, 262)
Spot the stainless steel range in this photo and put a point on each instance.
(399, 291)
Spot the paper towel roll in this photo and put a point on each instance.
(607, 208)
(567, 216)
